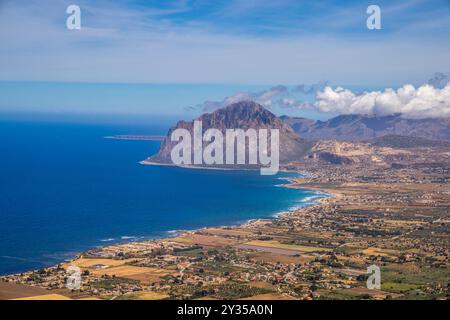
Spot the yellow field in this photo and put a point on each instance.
(372, 251)
(214, 241)
(276, 244)
(270, 257)
(149, 295)
(45, 297)
(149, 277)
(227, 232)
(87, 263)
(125, 270)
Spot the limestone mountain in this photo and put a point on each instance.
(242, 115)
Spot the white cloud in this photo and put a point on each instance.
(265, 97)
(423, 102)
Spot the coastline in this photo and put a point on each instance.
(151, 163)
(318, 197)
(332, 239)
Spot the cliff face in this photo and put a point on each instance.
(364, 127)
(242, 115)
(386, 151)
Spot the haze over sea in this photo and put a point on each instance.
(65, 189)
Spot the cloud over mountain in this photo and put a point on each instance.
(425, 101)
(264, 97)
(280, 96)
(431, 100)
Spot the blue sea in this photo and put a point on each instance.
(65, 189)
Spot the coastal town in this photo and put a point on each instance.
(395, 217)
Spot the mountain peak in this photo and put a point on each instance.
(241, 115)
(244, 104)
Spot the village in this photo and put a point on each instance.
(396, 219)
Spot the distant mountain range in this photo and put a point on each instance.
(404, 142)
(366, 127)
(344, 139)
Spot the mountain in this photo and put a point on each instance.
(367, 127)
(395, 141)
(388, 150)
(241, 115)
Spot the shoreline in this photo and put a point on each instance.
(360, 215)
(176, 233)
(151, 163)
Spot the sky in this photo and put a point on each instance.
(176, 57)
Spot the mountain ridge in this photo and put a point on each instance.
(356, 127)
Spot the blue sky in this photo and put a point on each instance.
(220, 46)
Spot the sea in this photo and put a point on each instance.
(65, 189)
